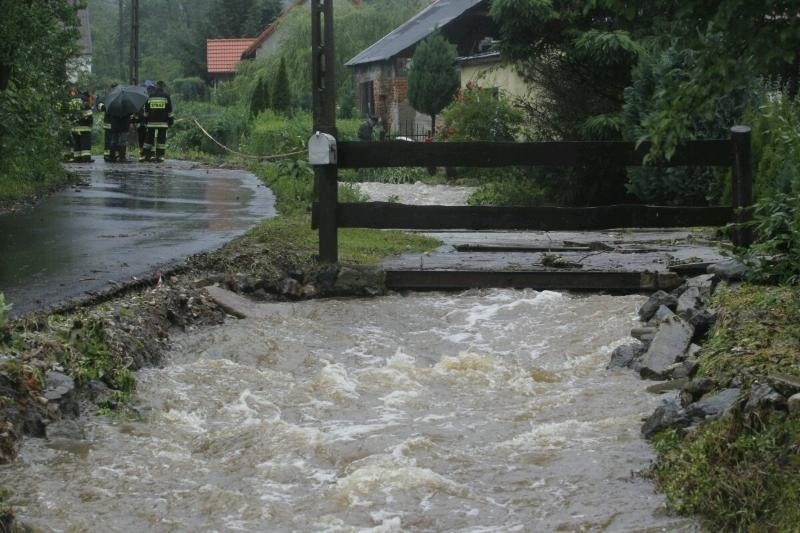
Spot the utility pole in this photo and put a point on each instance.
(134, 59)
(120, 40)
(323, 81)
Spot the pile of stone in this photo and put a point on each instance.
(669, 347)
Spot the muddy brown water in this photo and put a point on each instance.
(481, 411)
(122, 222)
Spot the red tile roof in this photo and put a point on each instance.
(223, 54)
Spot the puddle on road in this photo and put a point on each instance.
(124, 221)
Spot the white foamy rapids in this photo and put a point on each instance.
(489, 410)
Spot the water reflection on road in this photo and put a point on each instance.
(122, 222)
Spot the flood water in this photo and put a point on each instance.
(123, 221)
(484, 411)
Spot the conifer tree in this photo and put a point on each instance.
(281, 94)
(433, 79)
(260, 100)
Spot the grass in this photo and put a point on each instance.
(293, 234)
(742, 472)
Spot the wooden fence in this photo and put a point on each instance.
(328, 214)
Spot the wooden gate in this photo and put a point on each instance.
(328, 214)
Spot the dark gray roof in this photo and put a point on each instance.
(436, 15)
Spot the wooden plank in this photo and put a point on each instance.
(387, 215)
(496, 154)
(419, 280)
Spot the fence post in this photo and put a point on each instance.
(324, 104)
(742, 183)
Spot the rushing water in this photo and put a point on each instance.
(480, 411)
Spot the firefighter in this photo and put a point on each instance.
(82, 122)
(158, 117)
(107, 140)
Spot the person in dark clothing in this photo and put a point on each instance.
(365, 130)
(158, 117)
(82, 122)
(106, 128)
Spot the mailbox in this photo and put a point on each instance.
(322, 149)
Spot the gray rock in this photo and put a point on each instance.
(686, 369)
(793, 403)
(670, 415)
(663, 313)
(702, 320)
(360, 281)
(730, 270)
(691, 300)
(713, 405)
(647, 332)
(667, 386)
(705, 282)
(785, 384)
(61, 394)
(656, 300)
(763, 396)
(626, 355)
(696, 389)
(669, 344)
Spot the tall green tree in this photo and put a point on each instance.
(579, 57)
(260, 100)
(433, 78)
(281, 94)
(39, 38)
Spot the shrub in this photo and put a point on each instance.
(225, 124)
(480, 114)
(675, 185)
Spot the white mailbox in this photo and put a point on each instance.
(322, 149)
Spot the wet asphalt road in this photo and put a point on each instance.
(123, 222)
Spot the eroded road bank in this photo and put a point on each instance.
(120, 223)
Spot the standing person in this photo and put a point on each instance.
(118, 137)
(107, 156)
(158, 116)
(141, 123)
(83, 120)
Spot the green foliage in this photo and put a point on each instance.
(733, 42)
(510, 186)
(281, 93)
(775, 253)
(38, 40)
(4, 309)
(675, 185)
(775, 122)
(433, 78)
(189, 89)
(271, 133)
(578, 56)
(740, 473)
(88, 355)
(479, 114)
(226, 124)
(260, 99)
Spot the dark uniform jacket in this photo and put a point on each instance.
(158, 109)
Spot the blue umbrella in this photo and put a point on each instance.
(124, 100)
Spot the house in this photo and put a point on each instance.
(274, 35)
(381, 70)
(222, 57)
(486, 69)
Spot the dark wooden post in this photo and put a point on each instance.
(324, 102)
(742, 183)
